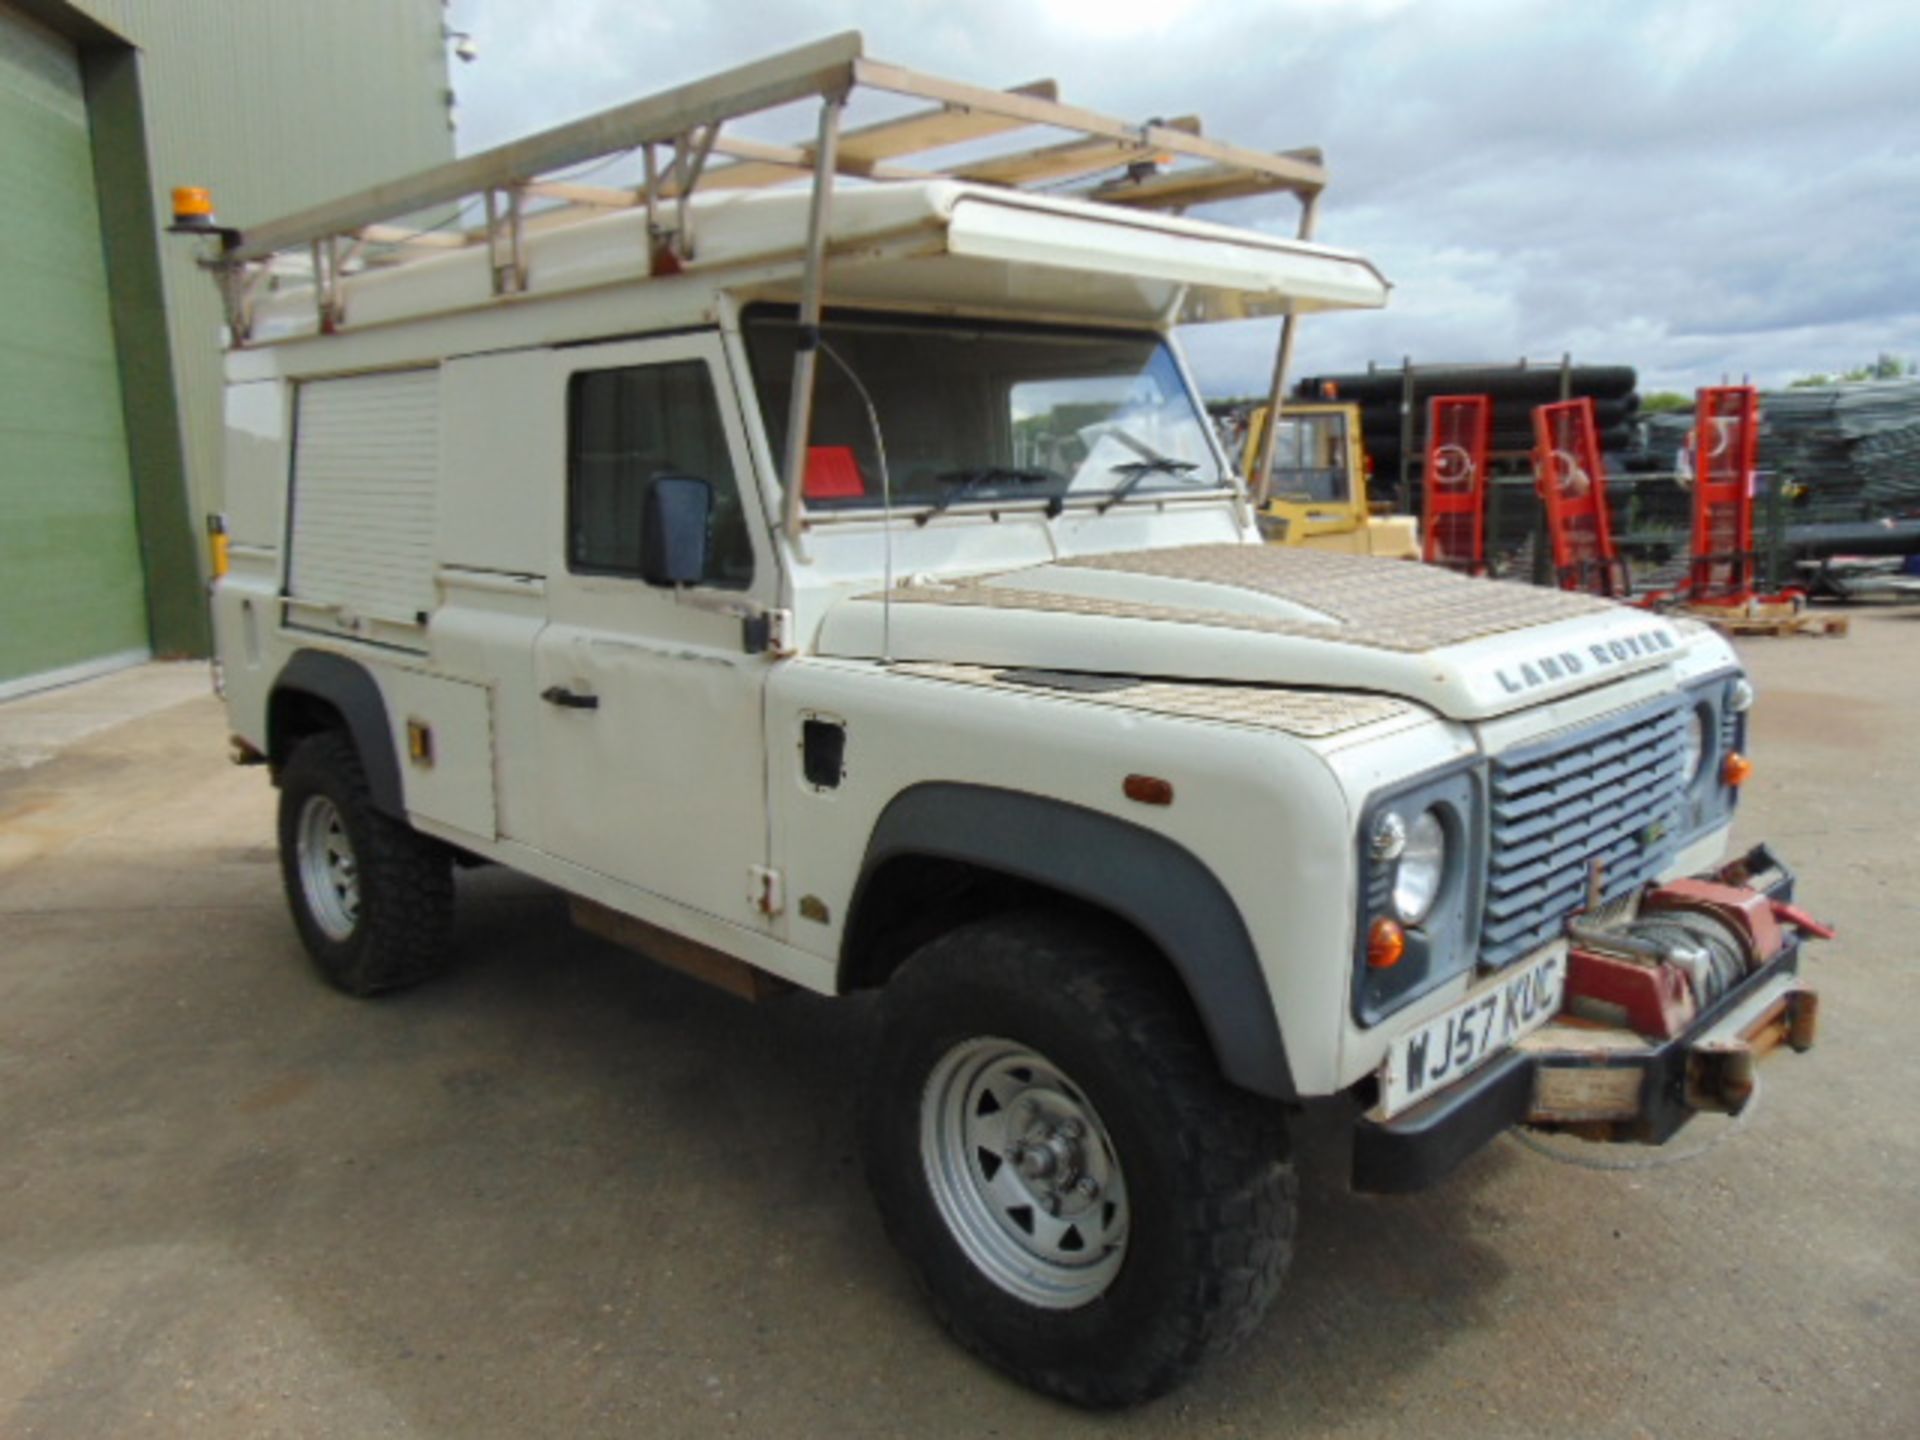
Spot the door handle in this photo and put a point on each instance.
(568, 700)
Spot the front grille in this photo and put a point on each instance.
(1610, 791)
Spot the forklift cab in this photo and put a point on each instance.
(1318, 494)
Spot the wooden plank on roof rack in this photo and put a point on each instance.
(824, 67)
(759, 163)
(1197, 185)
(1302, 170)
(1290, 168)
(936, 128)
(539, 222)
(400, 235)
(604, 197)
(1074, 157)
(756, 163)
(864, 150)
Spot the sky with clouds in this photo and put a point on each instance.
(1700, 188)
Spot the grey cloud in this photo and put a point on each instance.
(1697, 188)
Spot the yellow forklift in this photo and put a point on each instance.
(1318, 494)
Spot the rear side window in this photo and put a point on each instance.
(626, 426)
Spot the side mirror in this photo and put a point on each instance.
(675, 518)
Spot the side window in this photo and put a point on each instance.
(626, 426)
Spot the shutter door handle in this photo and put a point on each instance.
(568, 700)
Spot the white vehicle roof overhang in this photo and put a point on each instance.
(1030, 254)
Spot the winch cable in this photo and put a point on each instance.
(1656, 1160)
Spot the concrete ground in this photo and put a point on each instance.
(566, 1193)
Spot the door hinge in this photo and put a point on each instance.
(768, 632)
(765, 890)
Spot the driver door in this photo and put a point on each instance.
(651, 730)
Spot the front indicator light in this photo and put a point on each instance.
(1386, 943)
(1737, 771)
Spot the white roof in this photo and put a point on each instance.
(918, 244)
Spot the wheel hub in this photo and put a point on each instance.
(1024, 1173)
(1052, 1160)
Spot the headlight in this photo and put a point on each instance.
(1423, 864)
(1419, 864)
(1695, 747)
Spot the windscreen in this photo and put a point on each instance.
(977, 412)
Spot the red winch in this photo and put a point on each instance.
(1690, 942)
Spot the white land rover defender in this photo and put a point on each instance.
(837, 584)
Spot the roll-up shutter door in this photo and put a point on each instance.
(366, 464)
(72, 593)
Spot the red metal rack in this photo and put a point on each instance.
(1573, 486)
(1724, 442)
(1459, 430)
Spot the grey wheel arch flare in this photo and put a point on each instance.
(351, 690)
(1151, 882)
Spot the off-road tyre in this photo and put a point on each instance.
(402, 925)
(1206, 1171)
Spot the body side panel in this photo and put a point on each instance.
(1255, 809)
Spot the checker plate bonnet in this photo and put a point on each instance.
(1263, 614)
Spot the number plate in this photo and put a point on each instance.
(1449, 1045)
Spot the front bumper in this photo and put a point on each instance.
(1642, 1091)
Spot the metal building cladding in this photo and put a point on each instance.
(110, 426)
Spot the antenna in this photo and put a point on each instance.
(886, 505)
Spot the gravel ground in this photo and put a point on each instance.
(566, 1193)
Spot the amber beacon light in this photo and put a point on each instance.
(193, 207)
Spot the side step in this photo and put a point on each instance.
(676, 952)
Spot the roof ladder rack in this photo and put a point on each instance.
(679, 133)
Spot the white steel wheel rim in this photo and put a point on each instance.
(329, 870)
(1023, 1173)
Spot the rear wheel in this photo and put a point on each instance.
(1087, 1204)
(371, 897)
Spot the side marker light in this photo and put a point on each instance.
(1148, 789)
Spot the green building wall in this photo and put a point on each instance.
(274, 105)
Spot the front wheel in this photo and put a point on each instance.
(1088, 1205)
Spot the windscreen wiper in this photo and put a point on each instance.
(967, 483)
(1135, 471)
